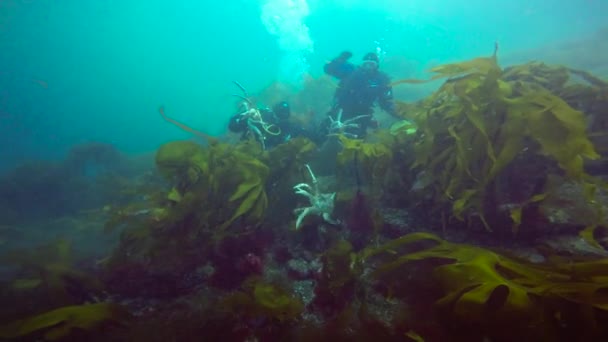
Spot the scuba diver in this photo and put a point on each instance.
(270, 127)
(359, 89)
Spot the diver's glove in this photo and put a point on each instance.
(339, 67)
(344, 56)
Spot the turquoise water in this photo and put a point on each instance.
(102, 200)
(73, 71)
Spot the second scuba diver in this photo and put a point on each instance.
(270, 127)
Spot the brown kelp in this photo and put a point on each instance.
(482, 121)
(211, 190)
(47, 277)
(76, 322)
(373, 158)
(183, 126)
(215, 201)
(487, 294)
(223, 177)
(259, 299)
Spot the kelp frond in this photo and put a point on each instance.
(482, 118)
(485, 289)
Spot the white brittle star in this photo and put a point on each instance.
(320, 204)
(338, 127)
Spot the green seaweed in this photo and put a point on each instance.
(339, 266)
(338, 281)
(259, 298)
(204, 176)
(61, 323)
(49, 272)
(481, 119)
(286, 160)
(373, 159)
(212, 193)
(482, 288)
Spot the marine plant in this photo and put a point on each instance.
(485, 293)
(372, 158)
(213, 193)
(69, 322)
(261, 299)
(338, 280)
(580, 89)
(481, 121)
(225, 182)
(286, 164)
(206, 137)
(287, 159)
(48, 277)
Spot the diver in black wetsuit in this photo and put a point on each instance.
(269, 127)
(359, 88)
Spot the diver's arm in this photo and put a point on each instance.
(268, 115)
(385, 98)
(340, 67)
(295, 130)
(238, 123)
(387, 103)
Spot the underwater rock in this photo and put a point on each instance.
(573, 246)
(95, 157)
(598, 167)
(302, 269)
(397, 222)
(383, 310)
(567, 206)
(250, 264)
(304, 290)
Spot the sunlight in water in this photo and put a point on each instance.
(285, 20)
